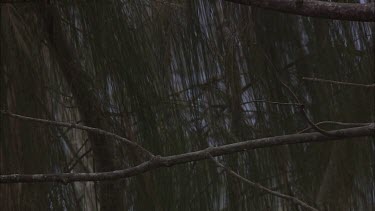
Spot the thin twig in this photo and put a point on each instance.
(272, 102)
(81, 127)
(260, 187)
(302, 106)
(304, 113)
(351, 124)
(77, 160)
(313, 125)
(339, 82)
(76, 157)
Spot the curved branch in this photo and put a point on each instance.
(314, 8)
(167, 161)
(80, 127)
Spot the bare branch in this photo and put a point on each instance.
(301, 106)
(76, 158)
(74, 162)
(262, 188)
(81, 127)
(273, 102)
(351, 124)
(303, 111)
(167, 161)
(313, 8)
(339, 82)
(313, 125)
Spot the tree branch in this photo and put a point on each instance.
(272, 102)
(339, 82)
(77, 160)
(81, 127)
(351, 124)
(261, 187)
(303, 111)
(313, 8)
(167, 161)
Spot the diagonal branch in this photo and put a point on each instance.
(339, 82)
(77, 160)
(351, 124)
(312, 124)
(299, 104)
(260, 187)
(81, 127)
(167, 161)
(314, 8)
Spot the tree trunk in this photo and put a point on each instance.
(89, 106)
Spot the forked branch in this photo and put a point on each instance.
(167, 161)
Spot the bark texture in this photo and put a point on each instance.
(89, 106)
(320, 9)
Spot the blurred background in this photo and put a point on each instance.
(179, 76)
